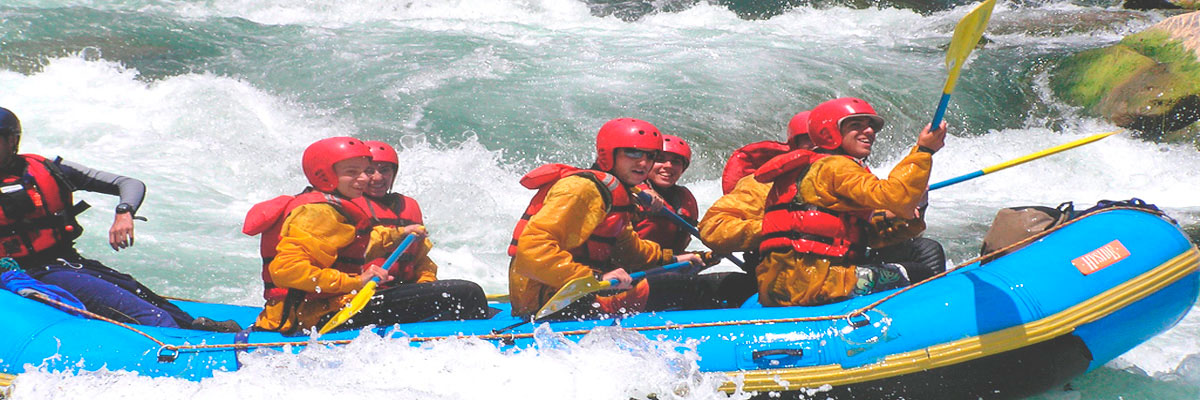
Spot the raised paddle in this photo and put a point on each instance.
(579, 287)
(360, 300)
(966, 36)
(645, 197)
(1021, 160)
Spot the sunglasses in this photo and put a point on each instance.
(637, 154)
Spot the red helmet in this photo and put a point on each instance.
(625, 133)
(320, 156)
(825, 121)
(382, 152)
(675, 145)
(798, 126)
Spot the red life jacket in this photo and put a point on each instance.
(805, 228)
(267, 218)
(395, 210)
(663, 229)
(36, 212)
(597, 250)
(748, 159)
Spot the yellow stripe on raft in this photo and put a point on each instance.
(967, 349)
(6, 381)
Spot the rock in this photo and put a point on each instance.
(1184, 28)
(1161, 4)
(1149, 5)
(1149, 82)
(764, 9)
(1062, 22)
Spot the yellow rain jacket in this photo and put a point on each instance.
(838, 183)
(309, 242)
(734, 222)
(572, 209)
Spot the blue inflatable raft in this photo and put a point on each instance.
(1071, 300)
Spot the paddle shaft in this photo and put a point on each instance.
(941, 111)
(1021, 160)
(678, 220)
(642, 274)
(408, 240)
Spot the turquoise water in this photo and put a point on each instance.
(211, 102)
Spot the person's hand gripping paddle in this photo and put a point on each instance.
(580, 287)
(364, 295)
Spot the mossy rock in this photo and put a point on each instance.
(1148, 82)
(1189, 134)
(1188, 4)
(1086, 78)
(1161, 4)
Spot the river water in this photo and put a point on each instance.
(211, 103)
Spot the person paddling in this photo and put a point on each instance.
(414, 273)
(39, 230)
(315, 246)
(734, 222)
(578, 224)
(817, 224)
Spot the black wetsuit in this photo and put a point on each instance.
(102, 290)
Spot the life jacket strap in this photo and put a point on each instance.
(789, 206)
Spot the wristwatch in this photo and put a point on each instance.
(124, 208)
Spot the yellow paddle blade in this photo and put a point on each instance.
(356, 304)
(571, 292)
(966, 35)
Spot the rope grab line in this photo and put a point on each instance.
(861, 312)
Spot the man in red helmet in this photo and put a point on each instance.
(38, 230)
(817, 225)
(315, 244)
(734, 222)
(578, 224)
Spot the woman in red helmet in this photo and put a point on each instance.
(578, 224)
(321, 239)
(391, 209)
(817, 224)
(414, 273)
(664, 174)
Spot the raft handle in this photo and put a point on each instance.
(167, 354)
(866, 320)
(758, 355)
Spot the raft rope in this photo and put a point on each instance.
(510, 337)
